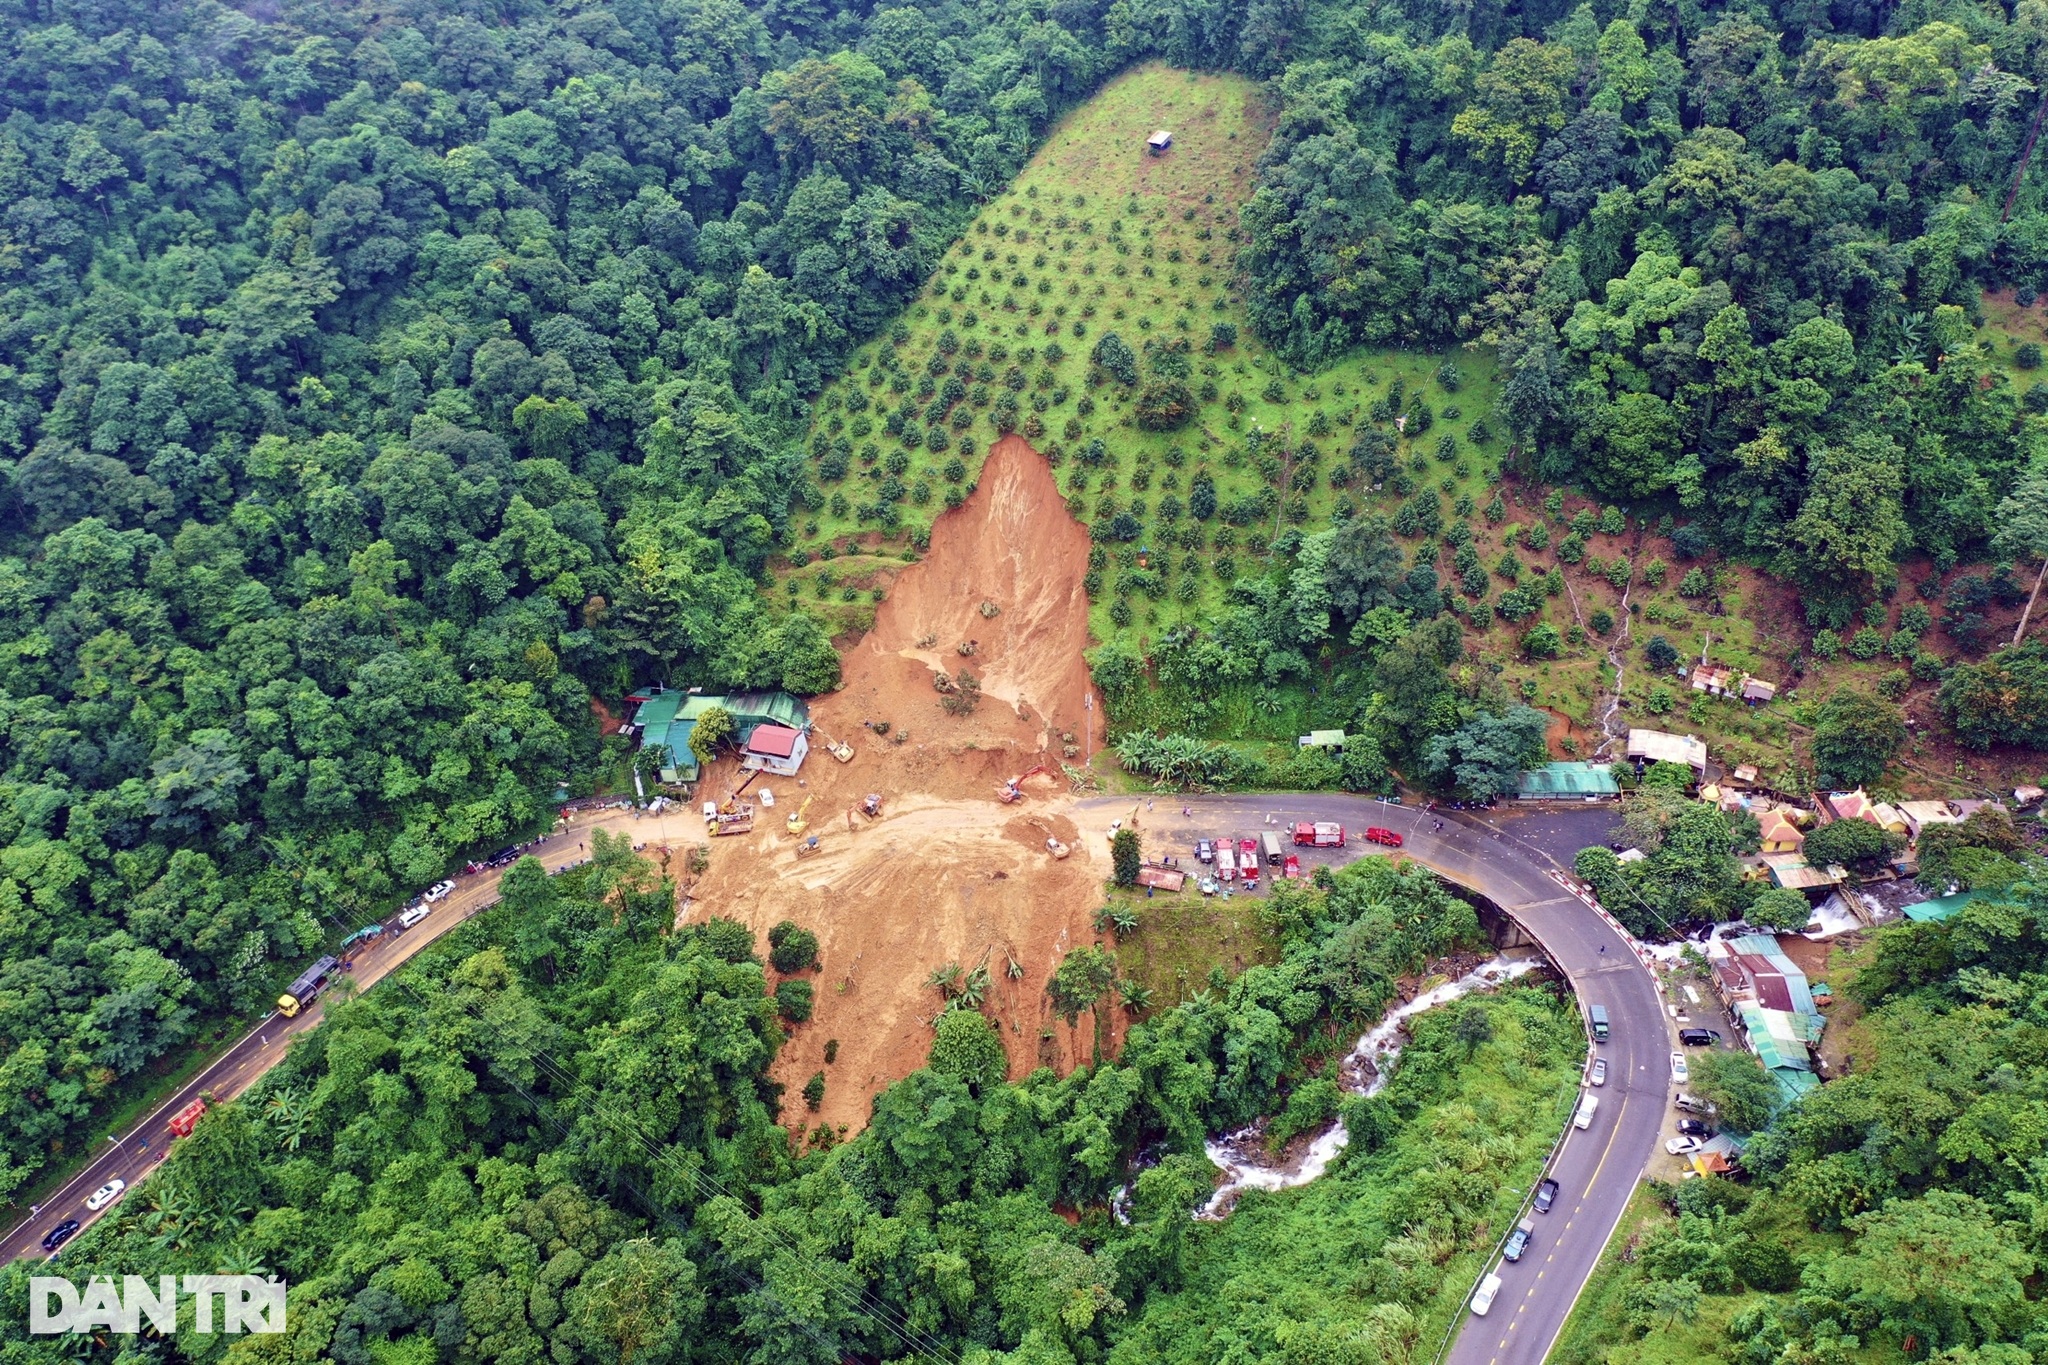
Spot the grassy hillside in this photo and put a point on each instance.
(1096, 238)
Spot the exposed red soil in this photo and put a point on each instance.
(949, 874)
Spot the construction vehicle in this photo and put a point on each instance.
(808, 846)
(1014, 788)
(838, 748)
(871, 805)
(797, 823)
(183, 1122)
(1053, 845)
(736, 821)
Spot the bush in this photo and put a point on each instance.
(2027, 355)
(1865, 644)
(1542, 641)
(1695, 583)
(792, 949)
(814, 1092)
(1600, 621)
(1662, 656)
(793, 999)
(1826, 644)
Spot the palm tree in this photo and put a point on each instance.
(973, 990)
(1136, 998)
(945, 980)
(290, 1114)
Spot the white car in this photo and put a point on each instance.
(1680, 1072)
(105, 1195)
(1482, 1297)
(437, 891)
(1587, 1106)
(1599, 1076)
(1679, 1146)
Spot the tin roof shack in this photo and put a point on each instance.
(776, 749)
(1920, 815)
(1793, 872)
(1164, 878)
(665, 717)
(1655, 746)
(1567, 782)
(1329, 741)
(1157, 144)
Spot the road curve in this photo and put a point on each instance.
(132, 1157)
(1598, 1168)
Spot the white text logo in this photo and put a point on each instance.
(248, 1303)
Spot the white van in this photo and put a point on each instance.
(413, 914)
(1584, 1118)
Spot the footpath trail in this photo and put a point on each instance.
(1597, 1168)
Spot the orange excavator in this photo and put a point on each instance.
(1009, 791)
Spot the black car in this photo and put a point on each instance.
(1694, 1128)
(59, 1235)
(1698, 1037)
(1518, 1241)
(1546, 1195)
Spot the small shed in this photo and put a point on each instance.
(1655, 746)
(1159, 142)
(1331, 741)
(1165, 878)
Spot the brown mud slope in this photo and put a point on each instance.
(949, 873)
(1011, 543)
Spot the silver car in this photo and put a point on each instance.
(1599, 1075)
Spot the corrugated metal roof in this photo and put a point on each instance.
(1568, 780)
(1943, 907)
(775, 741)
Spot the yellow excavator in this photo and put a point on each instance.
(797, 823)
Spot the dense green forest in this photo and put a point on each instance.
(553, 1139)
(376, 384)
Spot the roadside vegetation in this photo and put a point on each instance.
(1886, 1214)
(553, 1134)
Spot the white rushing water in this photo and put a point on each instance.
(1364, 1071)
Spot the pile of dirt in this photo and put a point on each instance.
(1013, 545)
(948, 874)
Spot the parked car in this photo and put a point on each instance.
(437, 891)
(59, 1235)
(1694, 1128)
(105, 1195)
(1205, 852)
(1698, 1037)
(1584, 1118)
(1208, 885)
(413, 914)
(1518, 1241)
(1679, 1146)
(1546, 1195)
(1599, 1074)
(1483, 1296)
(1375, 835)
(1680, 1072)
(1693, 1104)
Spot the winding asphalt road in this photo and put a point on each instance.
(1598, 1168)
(130, 1158)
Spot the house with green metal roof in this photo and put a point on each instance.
(666, 717)
(1945, 907)
(1567, 782)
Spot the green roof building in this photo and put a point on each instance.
(1567, 782)
(666, 718)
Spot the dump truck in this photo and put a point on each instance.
(306, 987)
(739, 820)
(1321, 834)
(187, 1118)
